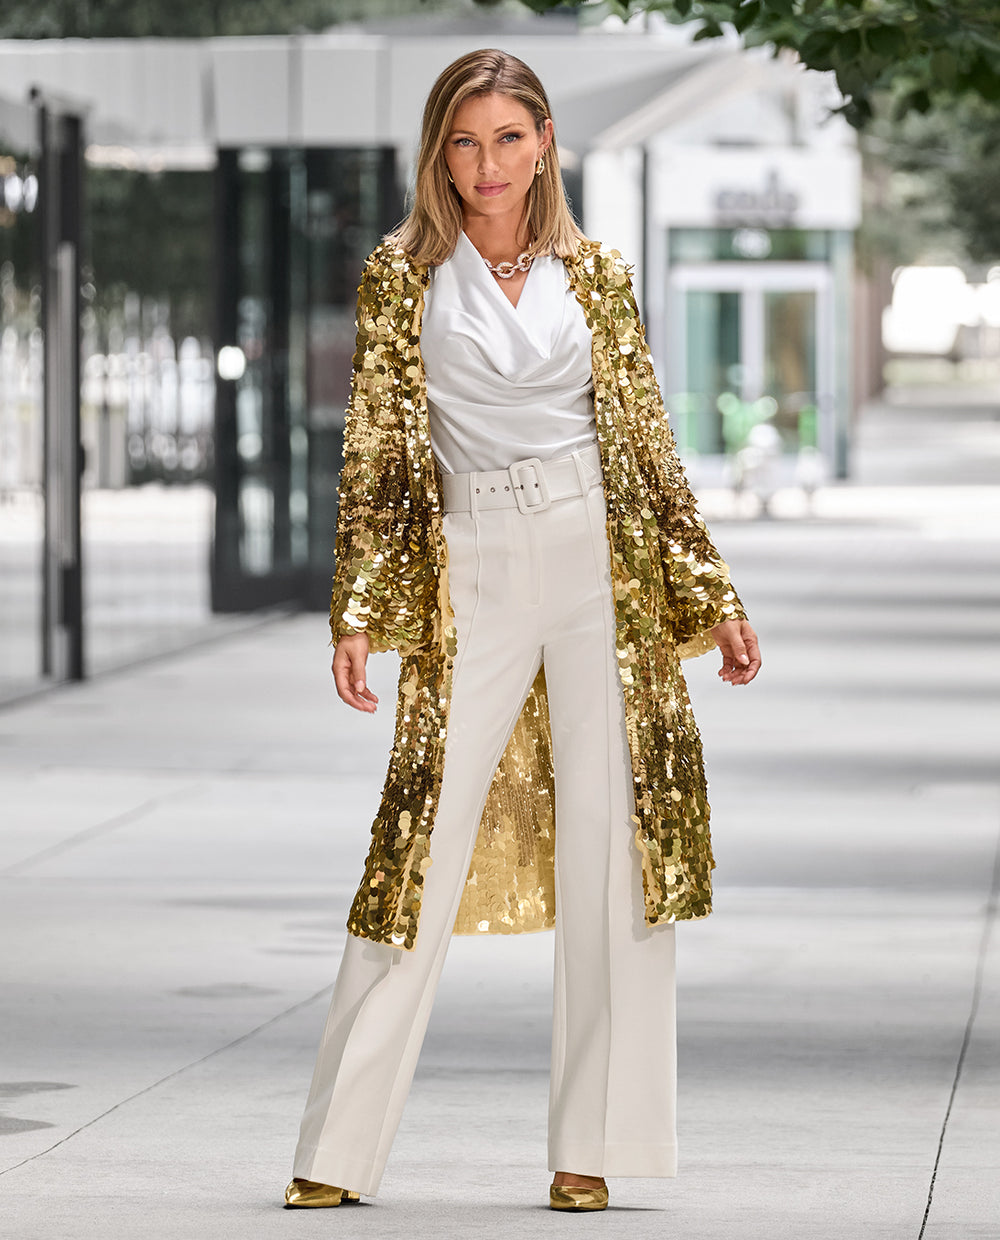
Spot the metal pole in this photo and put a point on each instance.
(61, 168)
(71, 185)
(48, 501)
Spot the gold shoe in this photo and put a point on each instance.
(566, 1197)
(302, 1194)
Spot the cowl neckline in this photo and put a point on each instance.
(520, 336)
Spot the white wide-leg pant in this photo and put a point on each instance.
(525, 587)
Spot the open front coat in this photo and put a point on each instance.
(391, 581)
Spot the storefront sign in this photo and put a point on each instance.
(771, 206)
(755, 187)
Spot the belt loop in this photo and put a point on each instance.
(473, 505)
(581, 476)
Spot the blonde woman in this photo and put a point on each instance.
(515, 523)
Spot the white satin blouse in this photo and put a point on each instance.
(504, 382)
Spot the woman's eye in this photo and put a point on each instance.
(462, 141)
(512, 136)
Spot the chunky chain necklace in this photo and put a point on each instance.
(506, 270)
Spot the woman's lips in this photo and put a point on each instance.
(491, 191)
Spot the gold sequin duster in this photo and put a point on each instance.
(391, 581)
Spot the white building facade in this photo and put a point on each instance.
(741, 191)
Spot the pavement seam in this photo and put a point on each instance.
(204, 636)
(100, 828)
(219, 1050)
(992, 904)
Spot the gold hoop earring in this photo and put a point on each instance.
(540, 166)
(450, 178)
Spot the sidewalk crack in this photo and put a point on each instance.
(139, 1093)
(124, 819)
(992, 904)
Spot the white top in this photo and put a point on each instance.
(505, 382)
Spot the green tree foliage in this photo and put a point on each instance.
(918, 53)
(974, 182)
(934, 186)
(184, 19)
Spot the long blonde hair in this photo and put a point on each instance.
(430, 231)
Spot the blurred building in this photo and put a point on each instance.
(719, 174)
(741, 192)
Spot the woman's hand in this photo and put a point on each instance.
(740, 652)
(349, 660)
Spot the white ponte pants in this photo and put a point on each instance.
(525, 588)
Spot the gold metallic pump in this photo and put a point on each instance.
(307, 1194)
(569, 1197)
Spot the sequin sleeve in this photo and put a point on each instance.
(373, 585)
(697, 576)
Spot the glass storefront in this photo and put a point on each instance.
(704, 245)
(294, 227)
(22, 508)
(790, 378)
(712, 367)
(751, 337)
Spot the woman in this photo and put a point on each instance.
(514, 521)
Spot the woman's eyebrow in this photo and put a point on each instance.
(509, 125)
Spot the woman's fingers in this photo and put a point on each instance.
(349, 661)
(727, 637)
(753, 652)
(351, 687)
(740, 651)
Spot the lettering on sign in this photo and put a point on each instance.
(770, 207)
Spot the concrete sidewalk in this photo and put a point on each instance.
(179, 845)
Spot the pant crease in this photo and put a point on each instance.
(609, 840)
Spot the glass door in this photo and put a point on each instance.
(293, 228)
(790, 377)
(750, 344)
(713, 366)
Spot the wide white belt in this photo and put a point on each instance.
(529, 485)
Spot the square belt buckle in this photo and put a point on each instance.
(529, 462)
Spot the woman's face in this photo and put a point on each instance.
(491, 153)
